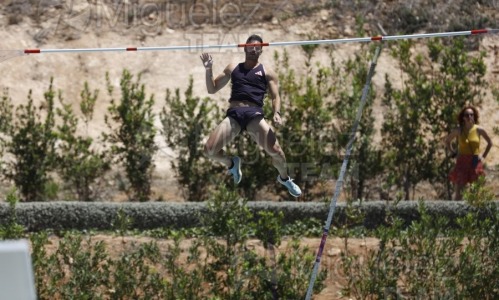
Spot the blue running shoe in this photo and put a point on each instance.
(236, 170)
(293, 189)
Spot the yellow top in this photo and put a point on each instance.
(469, 143)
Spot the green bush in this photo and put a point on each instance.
(365, 163)
(31, 142)
(11, 229)
(308, 136)
(81, 168)
(477, 194)
(131, 122)
(428, 260)
(185, 124)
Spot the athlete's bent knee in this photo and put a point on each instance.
(276, 151)
(209, 150)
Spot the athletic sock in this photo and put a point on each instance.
(231, 164)
(284, 179)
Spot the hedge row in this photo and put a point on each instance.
(35, 216)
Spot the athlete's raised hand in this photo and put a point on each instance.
(207, 60)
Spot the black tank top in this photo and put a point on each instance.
(248, 85)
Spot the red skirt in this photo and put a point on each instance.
(464, 173)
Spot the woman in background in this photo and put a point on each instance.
(469, 163)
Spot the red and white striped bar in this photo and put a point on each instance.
(292, 43)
